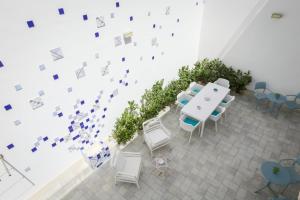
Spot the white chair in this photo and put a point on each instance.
(216, 115)
(155, 134)
(188, 124)
(128, 167)
(222, 82)
(194, 88)
(182, 99)
(226, 102)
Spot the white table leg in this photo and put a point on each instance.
(202, 128)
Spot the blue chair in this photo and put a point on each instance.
(260, 94)
(290, 165)
(292, 103)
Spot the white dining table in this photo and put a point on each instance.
(205, 102)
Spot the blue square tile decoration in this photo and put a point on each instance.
(123, 59)
(33, 149)
(61, 139)
(127, 71)
(30, 24)
(60, 114)
(7, 107)
(10, 146)
(42, 67)
(117, 4)
(18, 87)
(85, 17)
(152, 57)
(97, 34)
(172, 34)
(82, 102)
(97, 101)
(45, 139)
(131, 18)
(1, 64)
(55, 77)
(61, 11)
(70, 129)
(69, 89)
(53, 144)
(153, 25)
(126, 84)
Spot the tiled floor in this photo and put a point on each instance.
(220, 166)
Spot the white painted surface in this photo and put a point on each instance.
(23, 50)
(243, 35)
(220, 21)
(270, 48)
(207, 99)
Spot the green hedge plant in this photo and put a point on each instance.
(127, 125)
(158, 97)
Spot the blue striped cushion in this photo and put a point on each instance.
(191, 121)
(215, 113)
(184, 101)
(224, 101)
(196, 90)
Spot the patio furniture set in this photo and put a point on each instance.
(199, 103)
(263, 94)
(282, 173)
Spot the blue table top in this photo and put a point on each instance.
(272, 97)
(282, 178)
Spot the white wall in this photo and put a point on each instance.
(271, 48)
(242, 34)
(23, 49)
(220, 21)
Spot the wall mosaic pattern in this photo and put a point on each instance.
(85, 120)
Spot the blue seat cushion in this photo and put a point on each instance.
(215, 113)
(184, 101)
(292, 105)
(190, 121)
(224, 101)
(196, 90)
(259, 95)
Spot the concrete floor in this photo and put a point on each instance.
(220, 166)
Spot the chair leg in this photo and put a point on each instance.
(216, 126)
(190, 137)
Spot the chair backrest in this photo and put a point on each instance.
(228, 100)
(180, 95)
(223, 82)
(260, 85)
(151, 124)
(183, 95)
(195, 85)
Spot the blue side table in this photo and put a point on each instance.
(277, 101)
(281, 178)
